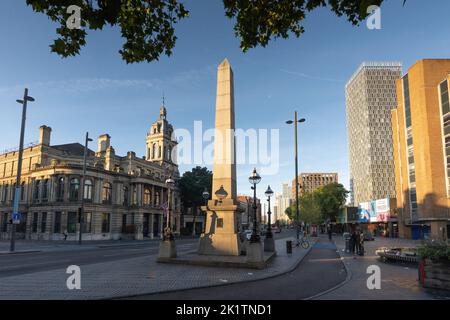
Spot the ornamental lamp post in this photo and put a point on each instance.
(205, 196)
(254, 179)
(269, 242)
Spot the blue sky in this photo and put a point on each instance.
(97, 92)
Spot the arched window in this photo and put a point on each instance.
(60, 189)
(159, 152)
(107, 192)
(154, 151)
(169, 153)
(87, 193)
(74, 189)
(45, 190)
(147, 196)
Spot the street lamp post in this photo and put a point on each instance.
(15, 214)
(269, 242)
(167, 249)
(83, 179)
(254, 179)
(297, 204)
(205, 196)
(168, 234)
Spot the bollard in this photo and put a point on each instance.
(289, 246)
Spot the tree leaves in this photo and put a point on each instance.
(146, 25)
(192, 184)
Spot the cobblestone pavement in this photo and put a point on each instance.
(137, 276)
(398, 280)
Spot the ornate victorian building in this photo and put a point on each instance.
(125, 196)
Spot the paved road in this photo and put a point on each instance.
(320, 270)
(23, 263)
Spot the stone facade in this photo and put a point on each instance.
(421, 130)
(124, 196)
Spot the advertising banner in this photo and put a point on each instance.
(366, 212)
(383, 210)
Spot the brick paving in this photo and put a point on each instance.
(137, 276)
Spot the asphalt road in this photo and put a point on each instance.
(320, 270)
(23, 263)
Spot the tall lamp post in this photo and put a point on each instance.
(83, 179)
(205, 196)
(15, 216)
(269, 242)
(167, 247)
(296, 172)
(254, 179)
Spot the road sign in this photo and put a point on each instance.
(16, 217)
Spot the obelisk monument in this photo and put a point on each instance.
(221, 237)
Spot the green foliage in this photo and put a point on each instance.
(148, 25)
(434, 250)
(323, 203)
(192, 184)
(259, 21)
(331, 198)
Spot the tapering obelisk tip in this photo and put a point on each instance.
(225, 63)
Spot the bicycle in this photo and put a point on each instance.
(303, 242)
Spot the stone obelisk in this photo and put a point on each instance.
(221, 237)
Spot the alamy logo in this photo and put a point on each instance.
(374, 280)
(74, 20)
(74, 280)
(374, 18)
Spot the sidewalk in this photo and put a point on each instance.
(138, 276)
(398, 281)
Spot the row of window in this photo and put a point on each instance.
(39, 224)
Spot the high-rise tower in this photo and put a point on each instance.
(370, 96)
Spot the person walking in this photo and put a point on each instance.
(361, 244)
(329, 232)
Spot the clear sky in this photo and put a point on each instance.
(99, 93)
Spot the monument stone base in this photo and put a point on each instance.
(255, 253)
(167, 249)
(269, 245)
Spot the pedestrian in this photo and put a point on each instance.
(65, 235)
(361, 244)
(329, 233)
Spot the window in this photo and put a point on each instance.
(5, 193)
(159, 152)
(105, 222)
(34, 225)
(5, 222)
(57, 223)
(74, 189)
(60, 190)
(107, 190)
(22, 226)
(72, 222)
(147, 196)
(45, 190)
(37, 187)
(87, 222)
(154, 151)
(22, 191)
(87, 189)
(125, 196)
(43, 221)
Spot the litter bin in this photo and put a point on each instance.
(347, 242)
(289, 246)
